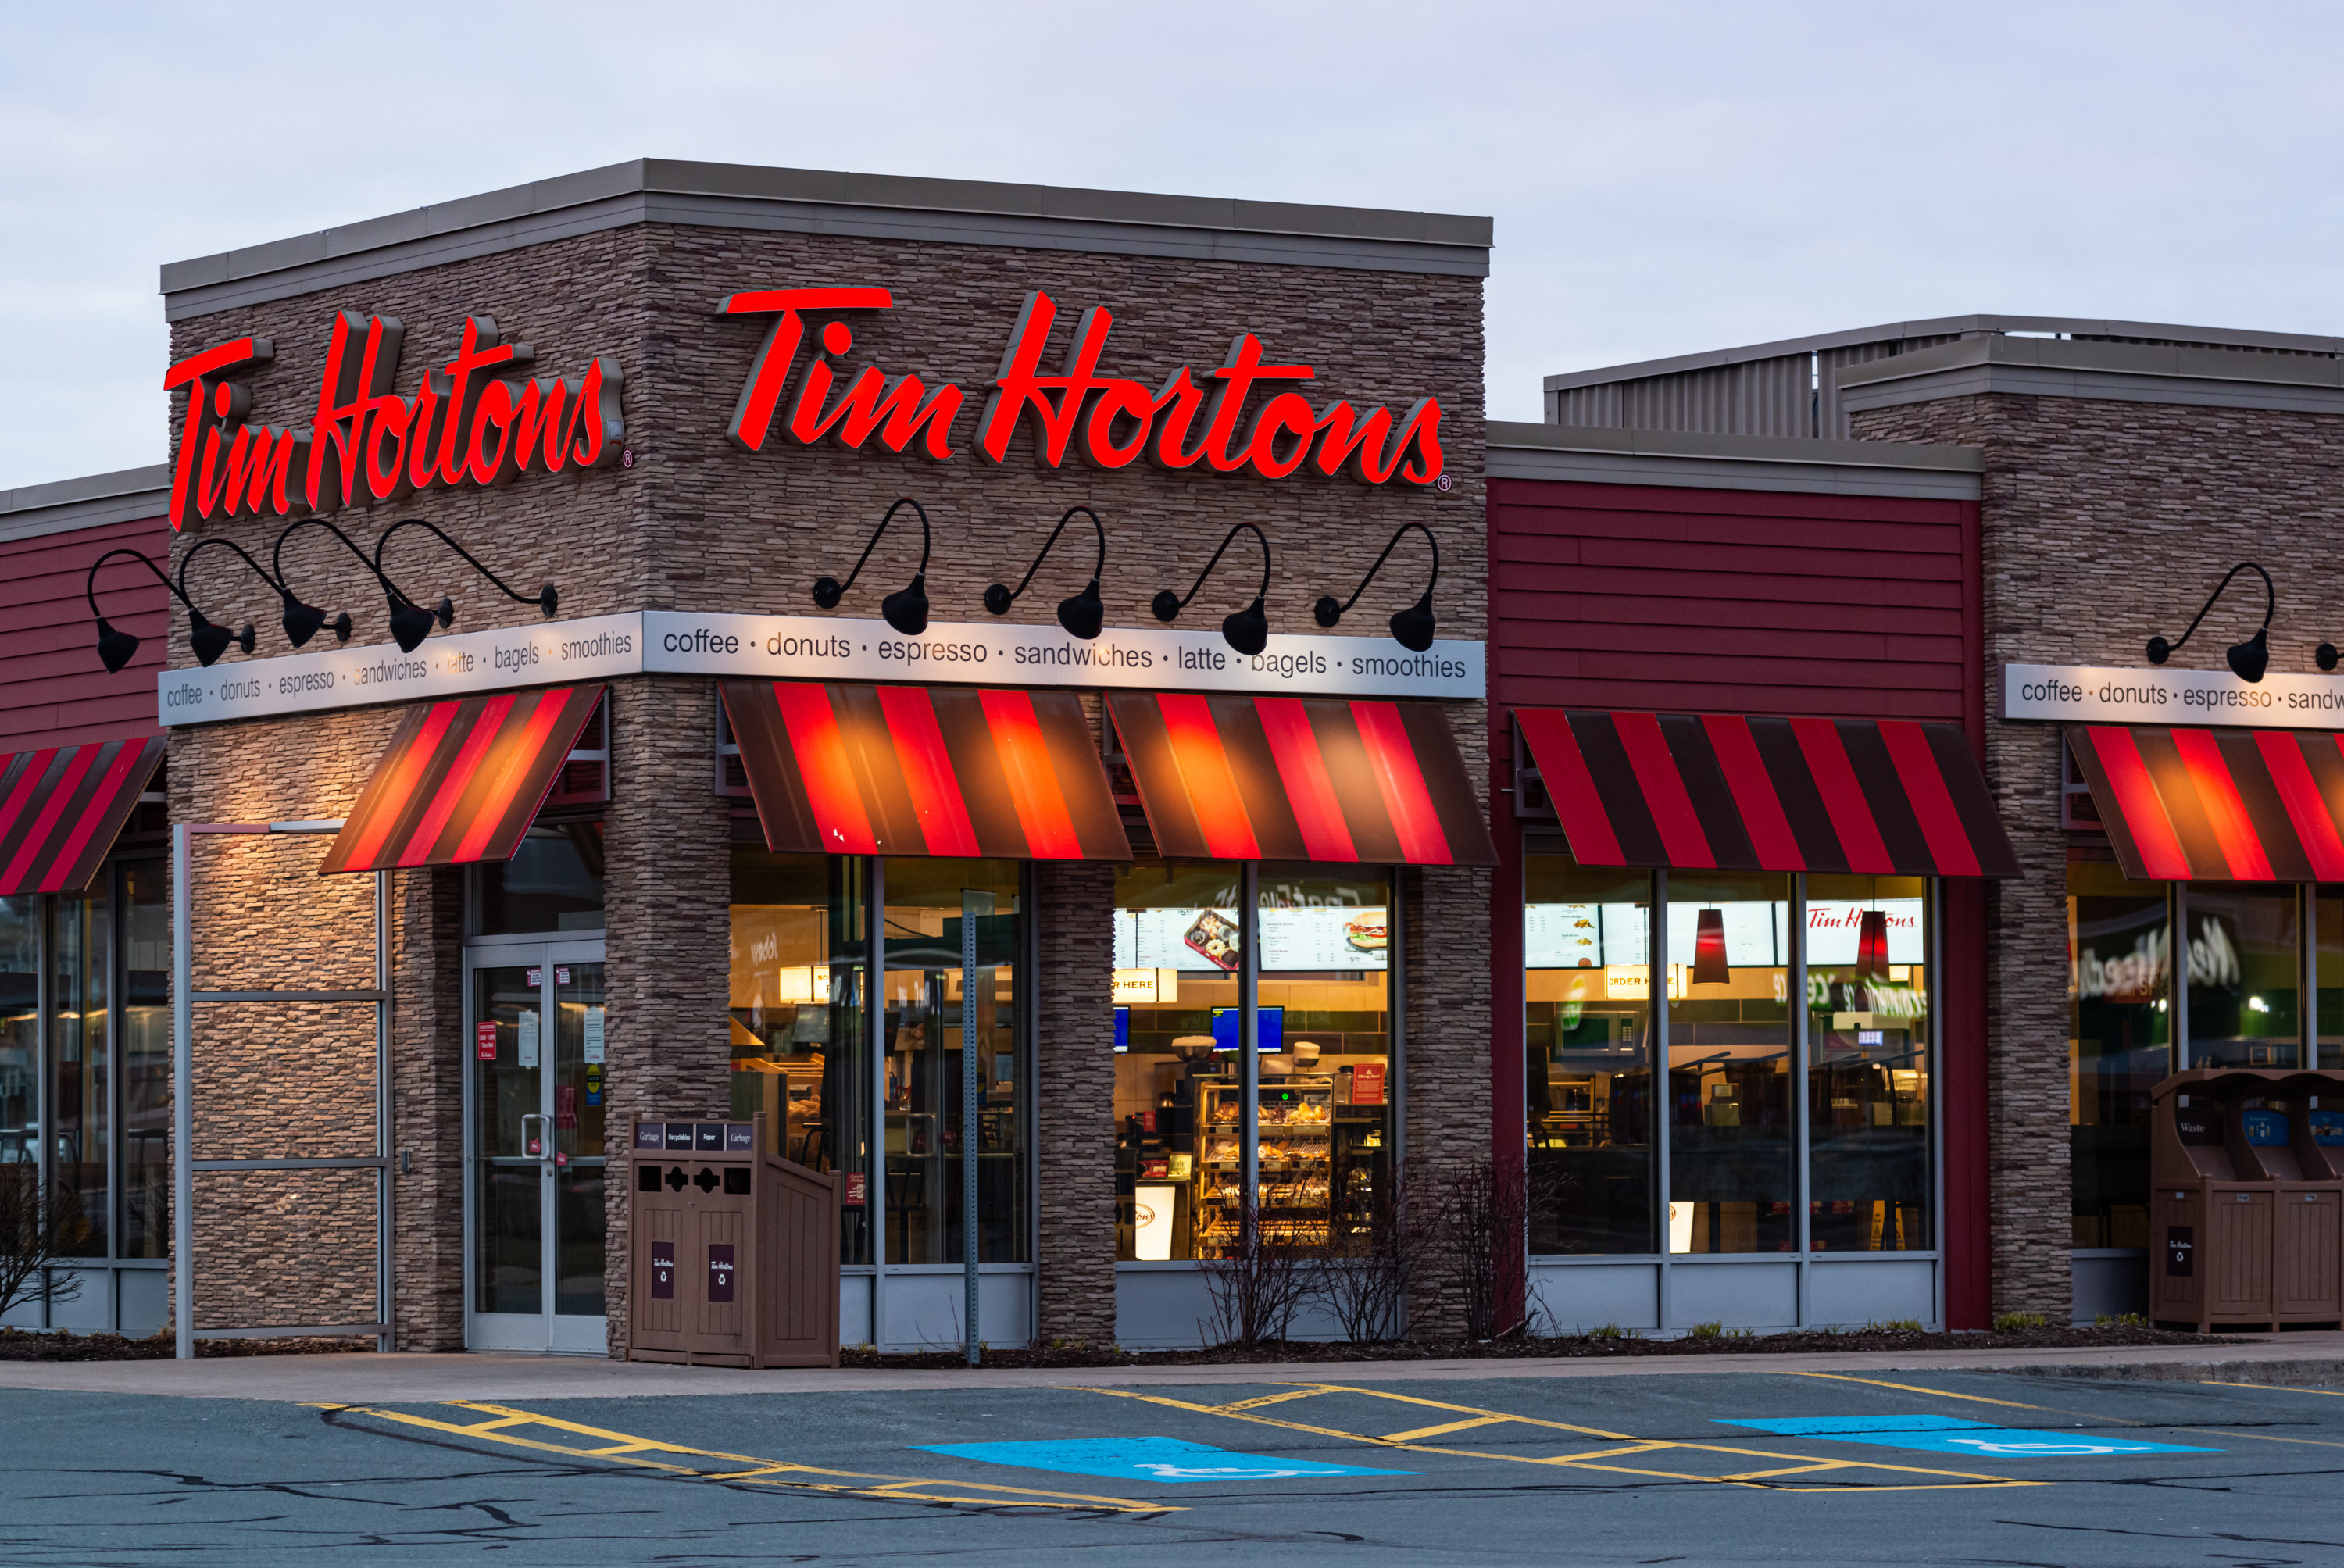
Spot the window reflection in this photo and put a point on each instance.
(1178, 1111)
(1731, 1181)
(20, 1029)
(2244, 946)
(1586, 943)
(146, 1061)
(1868, 1063)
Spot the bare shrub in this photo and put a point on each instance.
(1369, 1274)
(1478, 1234)
(1255, 1292)
(38, 1226)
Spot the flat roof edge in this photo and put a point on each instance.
(1695, 445)
(1942, 326)
(737, 182)
(89, 500)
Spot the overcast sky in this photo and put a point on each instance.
(1665, 177)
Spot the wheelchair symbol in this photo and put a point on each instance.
(2044, 1449)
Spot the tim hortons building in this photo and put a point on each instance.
(1068, 686)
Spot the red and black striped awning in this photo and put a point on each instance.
(61, 810)
(1697, 792)
(1301, 779)
(960, 771)
(2217, 805)
(462, 780)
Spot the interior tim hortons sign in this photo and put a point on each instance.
(480, 419)
(1187, 421)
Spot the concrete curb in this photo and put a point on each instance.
(2301, 1371)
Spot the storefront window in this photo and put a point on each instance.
(929, 905)
(146, 1061)
(77, 1126)
(1731, 1175)
(20, 1030)
(2119, 948)
(2327, 931)
(1177, 1087)
(552, 883)
(1868, 1063)
(800, 1050)
(1586, 946)
(2245, 949)
(1326, 1104)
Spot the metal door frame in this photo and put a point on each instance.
(520, 952)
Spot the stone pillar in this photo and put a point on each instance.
(1446, 1105)
(427, 1074)
(1074, 1123)
(667, 895)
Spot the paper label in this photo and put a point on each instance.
(484, 1040)
(527, 1031)
(662, 1271)
(594, 1034)
(719, 1271)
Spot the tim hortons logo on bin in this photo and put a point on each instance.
(480, 419)
(1185, 422)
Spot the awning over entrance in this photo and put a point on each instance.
(961, 771)
(1698, 791)
(1301, 778)
(2223, 805)
(462, 780)
(61, 810)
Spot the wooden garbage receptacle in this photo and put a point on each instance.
(2247, 1207)
(732, 1249)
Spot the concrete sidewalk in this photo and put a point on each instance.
(406, 1379)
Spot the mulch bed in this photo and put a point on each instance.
(1583, 1345)
(17, 1346)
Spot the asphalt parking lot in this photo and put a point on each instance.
(1730, 1467)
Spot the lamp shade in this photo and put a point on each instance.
(2250, 658)
(1709, 966)
(208, 638)
(1082, 614)
(301, 622)
(114, 648)
(1412, 628)
(409, 624)
(1872, 945)
(907, 611)
(1248, 630)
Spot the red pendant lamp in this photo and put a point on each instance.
(1872, 945)
(1709, 966)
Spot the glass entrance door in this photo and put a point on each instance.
(534, 1022)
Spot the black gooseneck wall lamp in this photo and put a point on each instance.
(906, 609)
(117, 647)
(1411, 628)
(210, 640)
(1081, 615)
(302, 621)
(410, 623)
(1248, 630)
(2248, 660)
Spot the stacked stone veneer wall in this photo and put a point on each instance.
(692, 523)
(2105, 523)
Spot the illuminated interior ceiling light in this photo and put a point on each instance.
(906, 609)
(1082, 615)
(1872, 945)
(1247, 629)
(409, 624)
(2250, 659)
(1412, 626)
(1709, 966)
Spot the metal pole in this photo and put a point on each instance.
(1396, 1037)
(1663, 1096)
(1249, 1064)
(183, 1094)
(386, 1177)
(969, 901)
(874, 1158)
(1802, 1133)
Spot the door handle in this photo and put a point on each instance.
(540, 1146)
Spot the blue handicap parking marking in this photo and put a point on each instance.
(1146, 1459)
(1951, 1434)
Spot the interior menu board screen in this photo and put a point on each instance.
(1206, 940)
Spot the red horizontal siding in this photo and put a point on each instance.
(53, 689)
(1657, 597)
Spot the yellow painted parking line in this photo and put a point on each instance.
(1271, 1400)
(2276, 1388)
(625, 1447)
(1939, 1480)
(1916, 1389)
(1445, 1427)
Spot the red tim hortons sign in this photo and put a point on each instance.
(480, 419)
(1188, 421)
